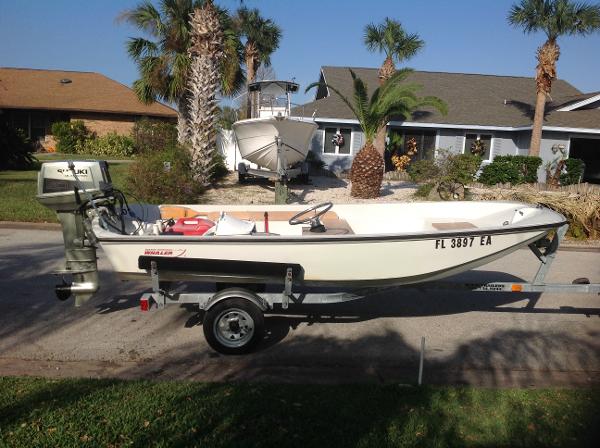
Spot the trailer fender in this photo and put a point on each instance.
(240, 293)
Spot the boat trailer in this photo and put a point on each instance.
(234, 319)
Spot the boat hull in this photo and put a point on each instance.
(331, 261)
(256, 139)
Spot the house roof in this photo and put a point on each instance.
(473, 99)
(572, 102)
(24, 88)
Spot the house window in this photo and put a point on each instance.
(329, 146)
(485, 141)
(425, 141)
(20, 120)
(39, 125)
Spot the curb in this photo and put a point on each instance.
(578, 248)
(29, 225)
(56, 226)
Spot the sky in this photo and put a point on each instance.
(467, 36)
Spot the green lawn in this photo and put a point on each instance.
(18, 190)
(61, 413)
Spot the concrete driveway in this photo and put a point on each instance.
(477, 338)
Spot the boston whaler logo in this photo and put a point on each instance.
(166, 252)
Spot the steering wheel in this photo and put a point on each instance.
(319, 209)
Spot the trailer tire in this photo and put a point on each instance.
(234, 326)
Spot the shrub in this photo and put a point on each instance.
(511, 169)
(111, 145)
(424, 190)
(15, 149)
(71, 136)
(574, 172)
(153, 135)
(461, 168)
(447, 167)
(149, 180)
(219, 169)
(499, 173)
(423, 171)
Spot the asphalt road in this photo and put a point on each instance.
(490, 339)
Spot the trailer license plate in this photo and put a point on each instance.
(465, 241)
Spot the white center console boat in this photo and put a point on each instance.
(271, 139)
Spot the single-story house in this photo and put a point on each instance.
(498, 110)
(32, 100)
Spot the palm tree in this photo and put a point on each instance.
(163, 58)
(205, 54)
(227, 116)
(262, 39)
(555, 18)
(391, 39)
(393, 98)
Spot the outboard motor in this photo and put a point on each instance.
(70, 188)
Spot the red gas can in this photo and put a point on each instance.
(190, 226)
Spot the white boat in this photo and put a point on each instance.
(257, 140)
(345, 246)
(353, 244)
(272, 139)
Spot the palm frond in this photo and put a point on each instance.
(262, 33)
(233, 76)
(398, 77)
(397, 94)
(407, 46)
(138, 47)
(146, 17)
(336, 91)
(585, 19)
(179, 76)
(390, 38)
(555, 17)
(144, 92)
(361, 97)
(373, 37)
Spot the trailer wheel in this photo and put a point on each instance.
(234, 326)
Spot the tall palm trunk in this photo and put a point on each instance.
(385, 72)
(251, 54)
(547, 56)
(206, 52)
(538, 122)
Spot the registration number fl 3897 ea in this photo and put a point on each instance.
(465, 241)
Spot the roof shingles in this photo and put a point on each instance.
(91, 92)
(473, 99)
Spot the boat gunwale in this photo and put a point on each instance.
(374, 238)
